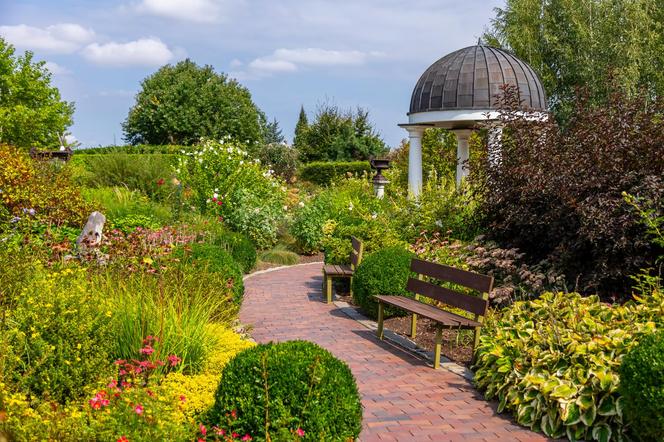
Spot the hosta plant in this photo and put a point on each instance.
(553, 362)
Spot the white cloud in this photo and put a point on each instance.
(290, 60)
(56, 69)
(58, 38)
(201, 11)
(143, 52)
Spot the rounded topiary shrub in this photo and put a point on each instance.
(241, 249)
(642, 387)
(277, 389)
(384, 272)
(217, 260)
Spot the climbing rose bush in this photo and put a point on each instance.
(240, 191)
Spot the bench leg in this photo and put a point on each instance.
(351, 286)
(379, 331)
(413, 326)
(328, 288)
(475, 343)
(439, 343)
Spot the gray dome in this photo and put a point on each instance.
(470, 78)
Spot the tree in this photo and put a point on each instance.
(300, 129)
(272, 133)
(182, 103)
(574, 43)
(337, 135)
(32, 113)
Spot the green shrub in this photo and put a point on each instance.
(553, 362)
(277, 388)
(57, 338)
(642, 387)
(225, 182)
(324, 173)
(130, 208)
(307, 226)
(384, 272)
(240, 247)
(215, 259)
(281, 158)
(280, 255)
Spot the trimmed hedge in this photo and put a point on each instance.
(642, 387)
(384, 272)
(295, 385)
(138, 149)
(324, 173)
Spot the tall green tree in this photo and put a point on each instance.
(586, 43)
(182, 103)
(300, 129)
(32, 113)
(338, 135)
(272, 133)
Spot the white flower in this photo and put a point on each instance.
(207, 200)
(200, 160)
(241, 162)
(216, 189)
(439, 223)
(257, 210)
(301, 204)
(215, 195)
(350, 206)
(285, 207)
(374, 215)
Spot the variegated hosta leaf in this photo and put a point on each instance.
(602, 433)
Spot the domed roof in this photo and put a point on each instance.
(470, 78)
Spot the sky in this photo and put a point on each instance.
(288, 53)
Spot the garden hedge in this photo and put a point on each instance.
(294, 385)
(241, 249)
(384, 272)
(642, 387)
(324, 173)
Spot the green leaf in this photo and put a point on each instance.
(588, 416)
(563, 391)
(607, 406)
(585, 401)
(602, 432)
(570, 413)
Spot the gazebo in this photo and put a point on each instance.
(460, 90)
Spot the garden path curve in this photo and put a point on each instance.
(404, 399)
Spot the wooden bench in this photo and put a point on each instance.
(331, 271)
(475, 305)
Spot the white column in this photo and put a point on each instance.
(415, 160)
(463, 153)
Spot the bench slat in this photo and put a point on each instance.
(465, 278)
(429, 311)
(469, 303)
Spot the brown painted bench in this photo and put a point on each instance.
(331, 271)
(475, 305)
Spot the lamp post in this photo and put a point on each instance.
(379, 181)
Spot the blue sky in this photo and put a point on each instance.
(366, 53)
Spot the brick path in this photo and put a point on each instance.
(403, 398)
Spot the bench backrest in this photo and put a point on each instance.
(356, 253)
(475, 281)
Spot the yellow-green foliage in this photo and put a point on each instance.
(39, 191)
(198, 390)
(553, 362)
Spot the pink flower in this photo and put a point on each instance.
(234, 435)
(246, 437)
(138, 409)
(218, 431)
(299, 432)
(183, 398)
(203, 429)
(99, 401)
(147, 350)
(173, 360)
(219, 203)
(123, 439)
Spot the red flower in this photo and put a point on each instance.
(299, 432)
(218, 431)
(234, 435)
(160, 182)
(246, 437)
(123, 439)
(138, 409)
(173, 360)
(219, 203)
(234, 414)
(99, 401)
(147, 350)
(203, 429)
(183, 398)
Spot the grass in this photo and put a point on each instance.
(279, 255)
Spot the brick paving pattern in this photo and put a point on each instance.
(404, 399)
